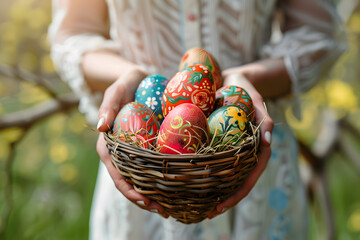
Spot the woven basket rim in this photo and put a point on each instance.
(143, 152)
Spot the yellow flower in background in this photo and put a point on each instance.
(59, 152)
(354, 221)
(8, 136)
(37, 24)
(47, 64)
(56, 126)
(340, 95)
(309, 114)
(316, 95)
(68, 172)
(44, 42)
(354, 23)
(31, 94)
(11, 36)
(11, 134)
(76, 123)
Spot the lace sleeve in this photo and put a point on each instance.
(313, 38)
(67, 56)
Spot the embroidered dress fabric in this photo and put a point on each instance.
(155, 34)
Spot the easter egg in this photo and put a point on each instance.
(219, 100)
(150, 92)
(136, 119)
(192, 85)
(184, 130)
(238, 96)
(201, 56)
(228, 125)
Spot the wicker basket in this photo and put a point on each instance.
(188, 186)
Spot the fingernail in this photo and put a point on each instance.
(268, 137)
(154, 210)
(140, 203)
(100, 123)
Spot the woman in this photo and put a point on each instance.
(110, 46)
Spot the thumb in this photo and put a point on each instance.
(112, 102)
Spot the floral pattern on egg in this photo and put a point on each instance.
(201, 56)
(228, 124)
(150, 92)
(193, 85)
(136, 119)
(238, 96)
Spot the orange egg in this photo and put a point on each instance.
(201, 56)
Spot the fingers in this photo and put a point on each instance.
(230, 71)
(121, 92)
(266, 125)
(110, 106)
(124, 187)
(264, 121)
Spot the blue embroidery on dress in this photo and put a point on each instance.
(280, 227)
(278, 199)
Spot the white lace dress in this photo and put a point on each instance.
(154, 34)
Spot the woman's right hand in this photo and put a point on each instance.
(116, 96)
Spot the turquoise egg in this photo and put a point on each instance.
(228, 125)
(150, 92)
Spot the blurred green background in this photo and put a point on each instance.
(48, 169)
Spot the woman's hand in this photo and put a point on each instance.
(237, 78)
(116, 96)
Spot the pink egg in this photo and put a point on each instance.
(184, 130)
(193, 85)
(136, 119)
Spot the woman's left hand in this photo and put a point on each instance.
(232, 77)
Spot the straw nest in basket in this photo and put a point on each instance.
(188, 186)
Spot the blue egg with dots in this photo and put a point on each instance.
(150, 92)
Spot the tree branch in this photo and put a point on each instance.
(18, 73)
(28, 117)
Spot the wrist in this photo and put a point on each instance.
(268, 76)
(131, 78)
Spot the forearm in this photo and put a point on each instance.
(102, 68)
(269, 77)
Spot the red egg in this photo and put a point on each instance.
(193, 85)
(184, 130)
(238, 96)
(201, 56)
(136, 119)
